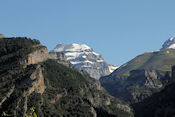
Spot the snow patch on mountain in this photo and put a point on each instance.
(71, 47)
(112, 68)
(169, 44)
(84, 58)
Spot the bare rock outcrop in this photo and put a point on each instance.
(7, 95)
(39, 55)
(2, 36)
(38, 85)
(60, 57)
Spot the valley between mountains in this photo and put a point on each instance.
(74, 81)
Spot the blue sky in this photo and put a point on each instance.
(117, 29)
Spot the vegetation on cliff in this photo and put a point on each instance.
(141, 77)
(161, 104)
(53, 89)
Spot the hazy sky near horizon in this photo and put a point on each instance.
(117, 29)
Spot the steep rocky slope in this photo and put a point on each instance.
(84, 58)
(161, 104)
(142, 76)
(30, 83)
(60, 58)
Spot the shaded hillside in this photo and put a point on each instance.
(15, 50)
(160, 61)
(140, 77)
(28, 80)
(161, 104)
(74, 94)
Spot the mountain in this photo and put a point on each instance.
(60, 58)
(84, 58)
(160, 104)
(1, 36)
(170, 43)
(112, 67)
(142, 76)
(33, 84)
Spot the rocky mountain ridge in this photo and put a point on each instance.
(34, 81)
(160, 104)
(82, 57)
(169, 44)
(142, 76)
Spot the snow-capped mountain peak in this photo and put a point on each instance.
(84, 58)
(73, 51)
(170, 43)
(71, 47)
(112, 67)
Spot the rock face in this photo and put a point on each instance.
(30, 82)
(84, 58)
(142, 76)
(160, 104)
(7, 95)
(40, 55)
(139, 85)
(1, 36)
(38, 85)
(35, 82)
(60, 57)
(26, 77)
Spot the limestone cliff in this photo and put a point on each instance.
(38, 84)
(32, 79)
(160, 104)
(139, 85)
(22, 77)
(60, 57)
(39, 55)
(28, 83)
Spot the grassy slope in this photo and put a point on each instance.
(131, 88)
(160, 60)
